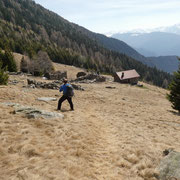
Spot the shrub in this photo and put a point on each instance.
(25, 64)
(174, 95)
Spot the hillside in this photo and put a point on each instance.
(117, 133)
(122, 47)
(26, 28)
(168, 64)
(116, 45)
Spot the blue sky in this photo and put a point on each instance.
(105, 16)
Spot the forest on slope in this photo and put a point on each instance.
(27, 28)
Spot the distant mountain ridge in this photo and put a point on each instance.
(158, 43)
(160, 48)
(175, 29)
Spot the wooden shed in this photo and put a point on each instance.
(130, 76)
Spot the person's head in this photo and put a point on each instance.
(65, 80)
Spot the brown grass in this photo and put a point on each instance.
(113, 134)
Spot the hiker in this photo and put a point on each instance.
(67, 94)
(122, 75)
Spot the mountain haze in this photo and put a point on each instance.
(157, 43)
(26, 28)
(175, 29)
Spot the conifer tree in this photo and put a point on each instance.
(8, 60)
(174, 95)
(3, 76)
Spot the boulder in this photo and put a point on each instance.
(30, 81)
(100, 79)
(80, 74)
(77, 87)
(169, 167)
(56, 75)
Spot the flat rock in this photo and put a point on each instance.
(32, 112)
(169, 167)
(46, 99)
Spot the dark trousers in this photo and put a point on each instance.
(63, 98)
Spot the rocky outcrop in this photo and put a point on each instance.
(13, 82)
(51, 85)
(169, 167)
(58, 75)
(32, 112)
(91, 78)
(19, 73)
(35, 84)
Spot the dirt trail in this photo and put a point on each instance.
(100, 141)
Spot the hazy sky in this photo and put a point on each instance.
(104, 16)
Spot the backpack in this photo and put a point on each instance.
(69, 91)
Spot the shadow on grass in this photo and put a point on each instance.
(174, 112)
(63, 110)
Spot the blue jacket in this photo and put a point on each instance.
(64, 88)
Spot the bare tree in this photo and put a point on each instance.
(25, 64)
(41, 64)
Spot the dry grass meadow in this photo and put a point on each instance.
(113, 134)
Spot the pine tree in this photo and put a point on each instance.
(174, 96)
(3, 76)
(8, 60)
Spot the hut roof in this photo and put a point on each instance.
(128, 74)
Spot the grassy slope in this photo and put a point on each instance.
(112, 134)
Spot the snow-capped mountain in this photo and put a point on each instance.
(162, 41)
(170, 29)
(175, 29)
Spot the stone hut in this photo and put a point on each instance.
(130, 76)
